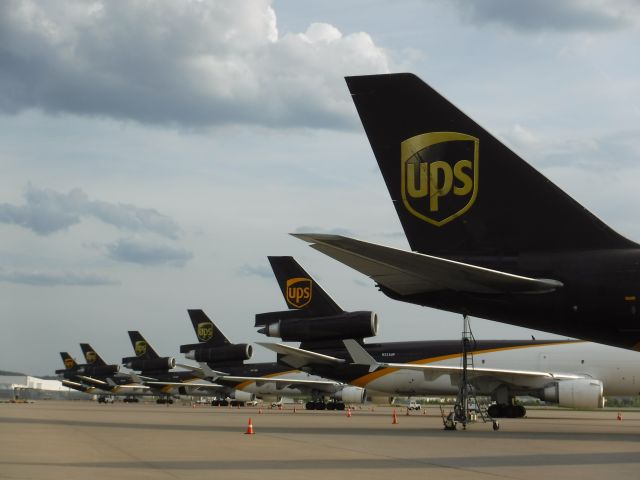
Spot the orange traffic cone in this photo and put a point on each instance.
(349, 412)
(249, 428)
(395, 418)
(619, 417)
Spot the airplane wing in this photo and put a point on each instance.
(408, 273)
(199, 386)
(297, 357)
(361, 357)
(284, 382)
(125, 386)
(280, 382)
(203, 371)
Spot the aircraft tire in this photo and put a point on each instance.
(495, 411)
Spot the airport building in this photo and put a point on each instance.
(26, 387)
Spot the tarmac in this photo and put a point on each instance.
(80, 440)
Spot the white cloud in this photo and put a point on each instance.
(48, 279)
(136, 251)
(551, 15)
(190, 63)
(48, 211)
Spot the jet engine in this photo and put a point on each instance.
(241, 396)
(139, 364)
(227, 353)
(100, 370)
(579, 393)
(346, 325)
(351, 395)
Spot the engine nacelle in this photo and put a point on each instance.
(101, 370)
(241, 396)
(579, 393)
(228, 353)
(140, 364)
(345, 325)
(351, 395)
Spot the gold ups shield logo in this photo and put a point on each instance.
(204, 331)
(90, 356)
(69, 363)
(439, 179)
(140, 348)
(298, 292)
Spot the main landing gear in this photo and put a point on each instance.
(320, 405)
(498, 410)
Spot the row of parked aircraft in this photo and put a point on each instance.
(333, 364)
(490, 237)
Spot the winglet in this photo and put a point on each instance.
(211, 373)
(359, 355)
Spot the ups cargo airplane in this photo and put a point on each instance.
(223, 362)
(97, 377)
(570, 373)
(490, 236)
(156, 373)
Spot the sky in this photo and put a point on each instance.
(153, 153)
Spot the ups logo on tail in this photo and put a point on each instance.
(439, 179)
(298, 292)
(140, 348)
(91, 356)
(69, 363)
(204, 331)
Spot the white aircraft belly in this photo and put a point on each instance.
(405, 382)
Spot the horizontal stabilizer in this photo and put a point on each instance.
(408, 273)
(95, 381)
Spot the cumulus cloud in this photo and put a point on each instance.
(142, 253)
(190, 62)
(48, 279)
(552, 15)
(47, 211)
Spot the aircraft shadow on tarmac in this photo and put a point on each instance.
(461, 462)
(479, 432)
